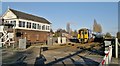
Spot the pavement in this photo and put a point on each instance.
(114, 60)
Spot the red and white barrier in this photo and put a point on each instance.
(107, 58)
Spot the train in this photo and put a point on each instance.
(86, 35)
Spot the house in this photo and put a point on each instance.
(33, 28)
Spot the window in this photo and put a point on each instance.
(85, 32)
(13, 23)
(21, 24)
(82, 32)
(18, 34)
(28, 25)
(46, 27)
(10, 22)
(6, 22)
(38, 26)
(43, 27)
(34, 26)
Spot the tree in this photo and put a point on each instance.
(97, 27)
(68, 28)
(59, 32)
(118, 35)
(75, 33)
(51, 31)
(108, 35)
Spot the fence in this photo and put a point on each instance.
(107, 58)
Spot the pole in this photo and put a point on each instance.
(116, 47)
(40, 53)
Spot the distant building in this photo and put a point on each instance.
(31, 27)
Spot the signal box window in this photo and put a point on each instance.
(21, 24)
(28, 25)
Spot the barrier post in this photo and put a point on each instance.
(107, 58)
(110, 54)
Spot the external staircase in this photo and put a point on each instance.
(6, 37)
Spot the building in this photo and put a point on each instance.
(33, 28)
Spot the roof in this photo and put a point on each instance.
(83, 29)
(23, 15)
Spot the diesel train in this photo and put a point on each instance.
(86, 35)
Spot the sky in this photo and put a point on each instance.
(79, 14)
(60, 0)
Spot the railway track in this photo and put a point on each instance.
(58, 55)
(70, 55)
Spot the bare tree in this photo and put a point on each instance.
(97, 27)
(68, 27)
(51, 31)
(75, 33)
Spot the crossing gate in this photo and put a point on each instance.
(107, 58)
